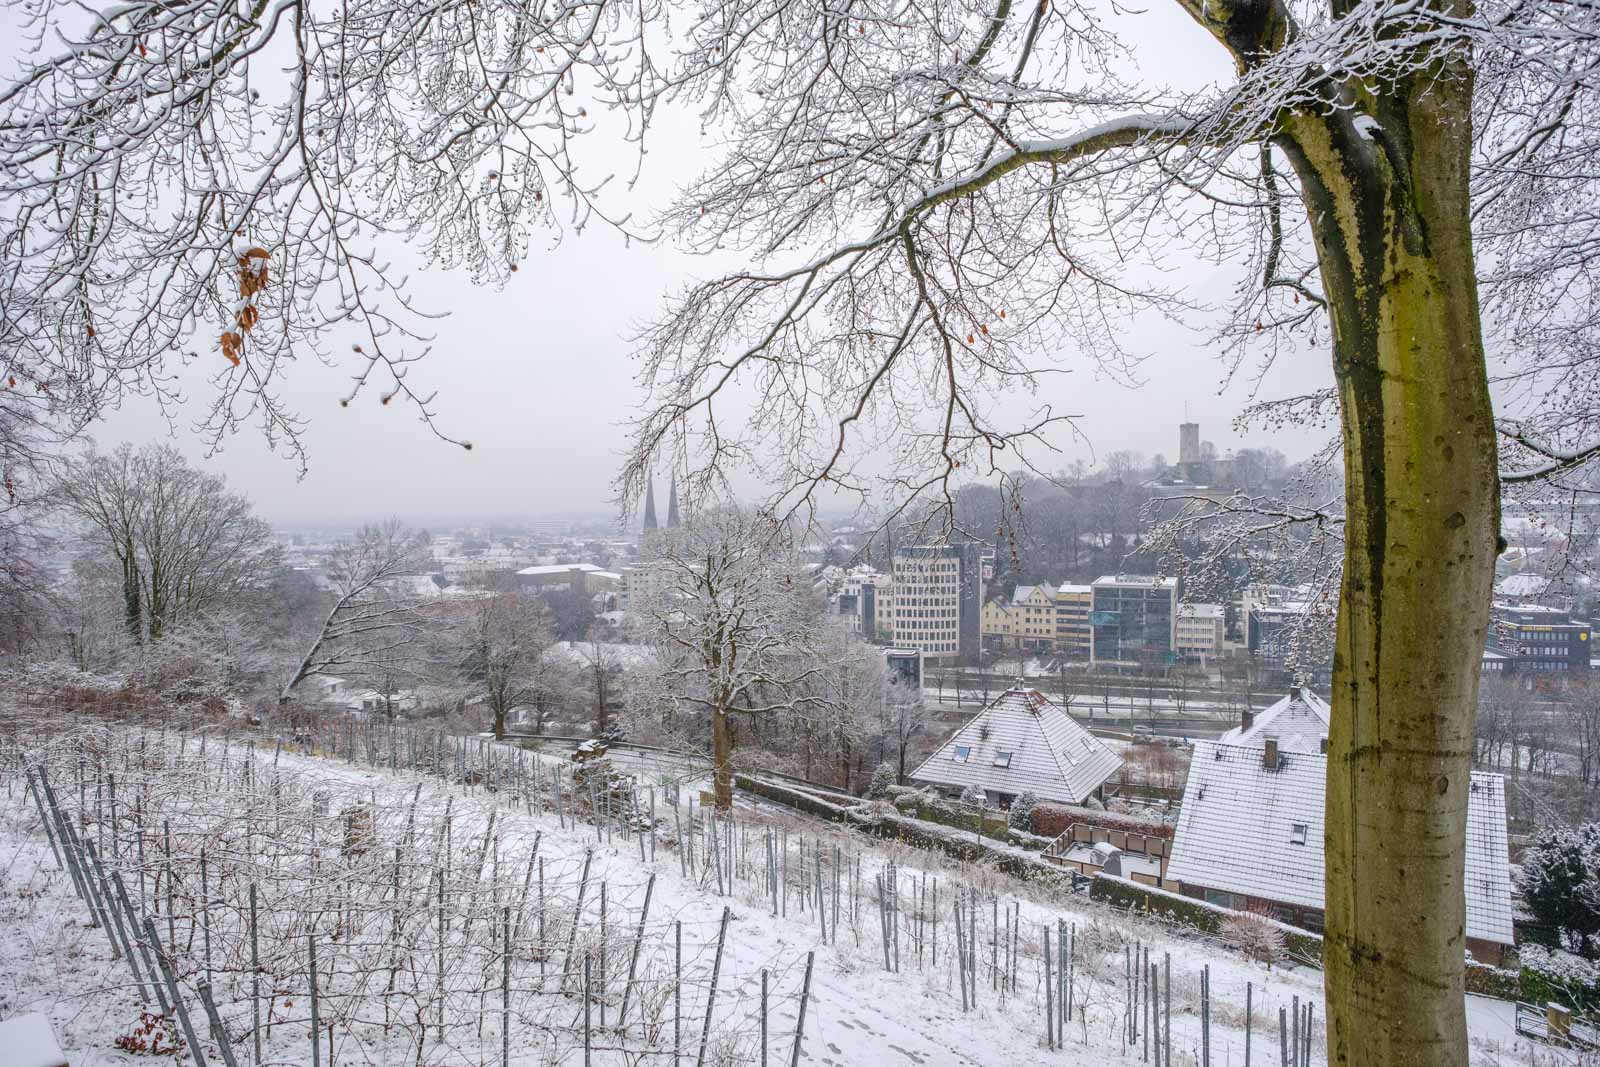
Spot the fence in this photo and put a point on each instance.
(254, 903)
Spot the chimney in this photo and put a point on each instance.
(1269, 755)
(1324, 744)
(1248, 719)
(1294, 692)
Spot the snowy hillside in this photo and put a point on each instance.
(408, 889)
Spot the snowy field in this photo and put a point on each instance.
(409, 888)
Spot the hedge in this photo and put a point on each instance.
(877, 820)
(1301, 945)
(1051, 820)
(1496, 982)
(1563, 977)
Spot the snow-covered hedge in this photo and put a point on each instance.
(1051, 820)
(1301, 945)
(882, 819)
(1497, 982)
(1551, 974)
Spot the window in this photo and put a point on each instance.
(1297, 833)
(962, 753)
(1002, 759)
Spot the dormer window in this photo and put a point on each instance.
(1002, 759)
(962, 753)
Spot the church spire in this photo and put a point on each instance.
(650, 504)
(672, 505)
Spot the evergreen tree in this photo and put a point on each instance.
(883, 777)
(1020, 815)
(1561, 884)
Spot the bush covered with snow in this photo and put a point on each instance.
(1554, 974)
(883, 779)
(1020, 815)
(1560, 883)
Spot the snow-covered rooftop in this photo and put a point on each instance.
(1022, 743)
(558, 568)
(1298, 723)
(1146, 580)
(1246, 829)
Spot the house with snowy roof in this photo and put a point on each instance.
(1250, 837)
(1021, 743)
(1298, 723)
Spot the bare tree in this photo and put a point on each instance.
(602, 669)
(501, 643)
(183, 543)
(735, 629)
(852, 687)
(374, 616)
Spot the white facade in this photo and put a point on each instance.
(927, 604)
(863, 598)
(1198, 632)
(641, 584)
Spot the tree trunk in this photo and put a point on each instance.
(722, 759)
(1389, 206)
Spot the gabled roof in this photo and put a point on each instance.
(1050, 754)
(1237, 832)
(1298, 723)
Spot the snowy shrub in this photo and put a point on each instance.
(1560, 883)
(1256, 935)
(1552, 974)
(1562, 966)
(882, 778)
(972, 796)
(1020, 816)
(1094, 804)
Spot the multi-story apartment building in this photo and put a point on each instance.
(1198, 633)
(642, 584)
(1132, 618)
(1074, 635)
(1027, 621)
(864, 598)
(938, 598)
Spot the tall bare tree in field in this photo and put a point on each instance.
(735, 630)
(500, 641)
(929, 193)
(182, 543)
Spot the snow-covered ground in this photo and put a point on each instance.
(296, 827)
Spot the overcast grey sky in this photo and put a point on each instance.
(539, 377)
